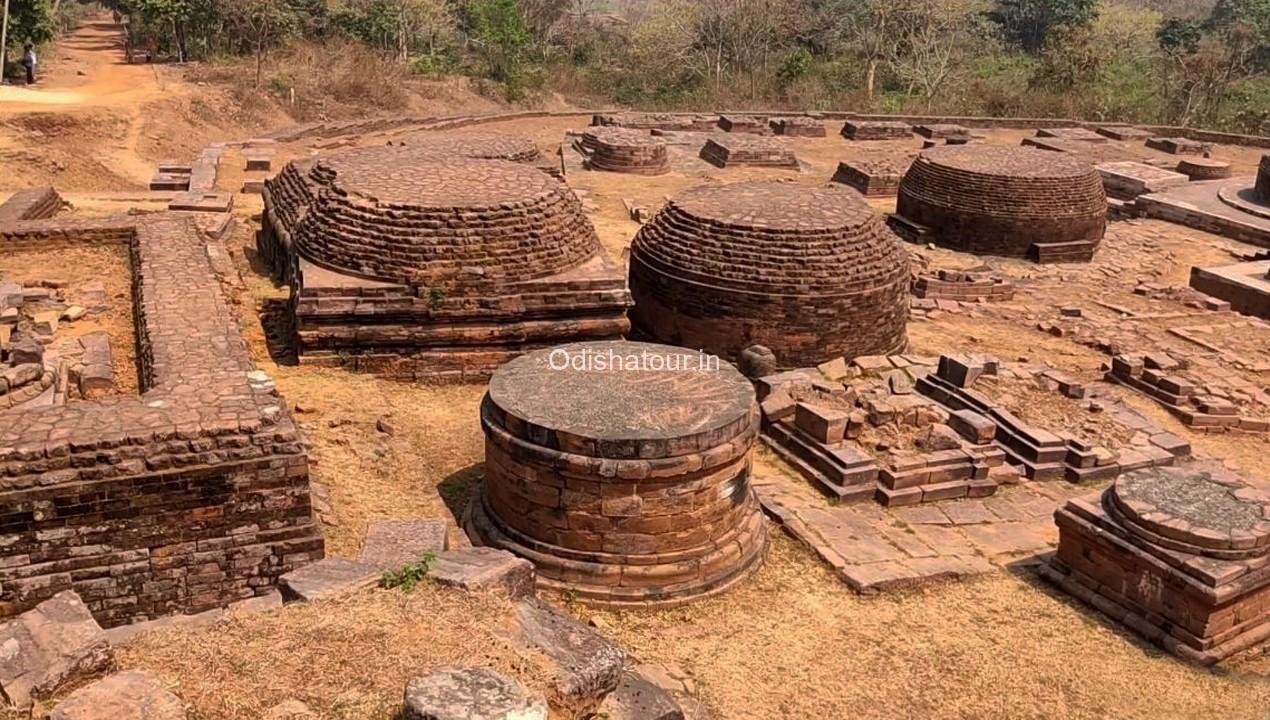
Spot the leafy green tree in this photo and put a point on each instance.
(499, 32)
(1028, 23)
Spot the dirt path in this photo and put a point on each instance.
(82, 126)
(87, 69)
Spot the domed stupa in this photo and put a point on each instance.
(810, 272)
(1009, 201)
(410, 264)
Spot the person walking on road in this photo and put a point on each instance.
(29, 62)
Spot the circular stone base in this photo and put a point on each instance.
(1244, 199)
(1190, 511)
(622, 471)
(739, 556)
(1199, 169)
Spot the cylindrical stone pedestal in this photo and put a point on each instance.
(621, 470)
(624, 150)
(1200, 168)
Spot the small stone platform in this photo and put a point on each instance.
(748, 151)
(798, 126)
(1246, 286)
(1072, 133)
(1127, 180)
(621, 470)
(1177, 554)
(1179, 146)
(871, 178)
(877, 130)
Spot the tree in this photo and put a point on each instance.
(262, 23)
(928, 39)
(1206, 58)
(499, 32)
(401, 27)
(1028, 23)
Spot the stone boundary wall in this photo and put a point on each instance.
(326, 130)
(187, 497)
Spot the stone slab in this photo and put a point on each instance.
(484, 568)
(638, 699)
(394, 544)
(470, 694)
(328, 578)
(42, 648)
(588, 665)
(128, 695)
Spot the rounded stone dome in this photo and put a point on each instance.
(1001, 200)
(622, 471)
(386, 214)
(479, 145)
(810, 272)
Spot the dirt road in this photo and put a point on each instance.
(88, 69)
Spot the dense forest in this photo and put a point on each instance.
(1175, 61)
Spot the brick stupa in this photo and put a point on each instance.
(411, 266)
(810, 272)
(1009, 201)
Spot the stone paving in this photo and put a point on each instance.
(874, 549)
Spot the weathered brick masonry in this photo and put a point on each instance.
(1011, 201)
(625, 150)
(190, 496)
(441, 269)
(811, 273)
(1178, 555)
(30, 204)
(638, 496)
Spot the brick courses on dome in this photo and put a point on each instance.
(1011, 201)
(437, 223)
(482, 146)
(626, 485)
(435, 268)
(626, 150)
(810, 272)
(1262, 191)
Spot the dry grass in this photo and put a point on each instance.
(347, 659)
(795, 643)
(335, 79)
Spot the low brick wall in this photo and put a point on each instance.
(194, 494)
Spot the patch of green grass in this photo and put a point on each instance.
(409, 576)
